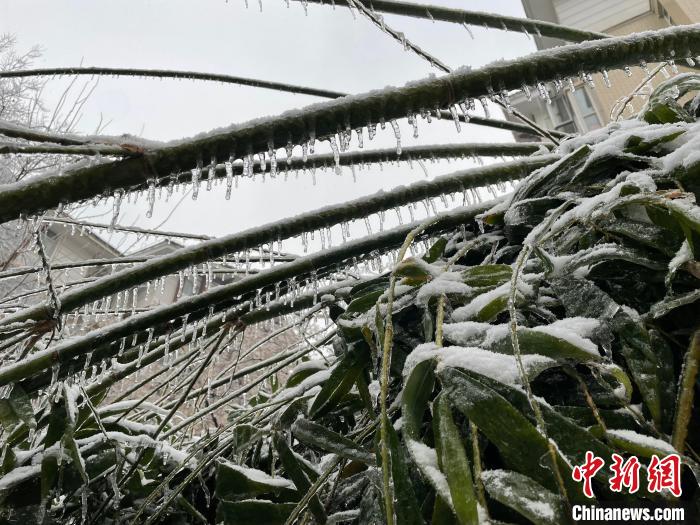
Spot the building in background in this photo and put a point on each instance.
(588, 108)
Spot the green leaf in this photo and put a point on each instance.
(299, 475)
(304, 370)
(525, 496)
(71, 446)
(503, 425)
(15, 409)
(418, 388)
(436, 250)
(253, 512)
(487, 275)
(538, 341)
(406, 507)
(668, 304)
(319, 437)
(49, 475)
(642, 362)
(643, 145)
(639, 444)
(234, 481)
(340, 381)
(454, 463)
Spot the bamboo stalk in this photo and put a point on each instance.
(325, 119)
(254, 237)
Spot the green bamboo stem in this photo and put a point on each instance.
(384, 379)
(129, 362)
(684, 408)
(168, 73)
(58, 149)
(408, 154)
(352, 112)
(254, 237)
(477, 18)
(223, 296)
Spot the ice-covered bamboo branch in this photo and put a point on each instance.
(364, 156)
(222, 296)
(310, 221)
(477, 18)
(323, 120)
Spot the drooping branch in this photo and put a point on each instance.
(223, 296)
(476, 18)
(167, 73)
(129, 362)
(320, 121)
(359, 157)
(407, 44)
(59, 149)
(310, 221)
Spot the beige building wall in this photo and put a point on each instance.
(680, 12)
(683, 11)
(623, 85)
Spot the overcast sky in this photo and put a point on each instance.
(327, 48)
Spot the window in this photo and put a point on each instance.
(586, 109)
(563, 115)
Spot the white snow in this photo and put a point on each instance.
(445, 283)
(259, 476)
(643, 441)
(18, 475)
(501, 367)
(427, 462)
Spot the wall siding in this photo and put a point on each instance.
(599, 15)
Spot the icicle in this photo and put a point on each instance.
(166, 350)
(413, 120)
(196, 176)
(115, 488)
(506, 102)
(84, 504)
(184, 327)
(228, 165)
(360, 140)
(455, 117)
(305, 241)
(133, 300)
(54, 376)
(672, 65)
(211, 173)
(273, 159)
(116, 204)
(645, 68)
(606, 79)
(464, 24)
(484, 104)
(336, 152)
(690, 61)
(368, 225)
(544, 93)
(371, 130)
(262, 161)
(397, 134)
